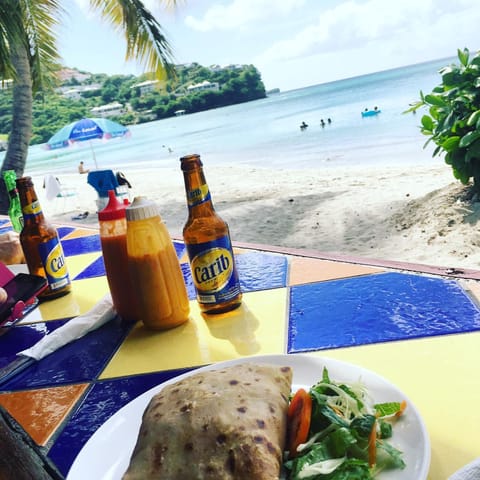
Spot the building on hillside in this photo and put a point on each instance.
(233, 66)
(147, 86)
(6, 84)
(75, 93)
(205, 85)
(108, 110)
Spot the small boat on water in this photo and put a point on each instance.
(371, 113)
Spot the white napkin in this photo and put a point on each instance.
(75, 328)
(470, 471)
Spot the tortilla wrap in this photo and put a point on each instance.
(227, 424)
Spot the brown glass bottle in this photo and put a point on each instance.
(41, 245)
(207, 239)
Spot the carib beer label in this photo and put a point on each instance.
(32, 209)
(198, 195)
(213, 271)
(53, 261)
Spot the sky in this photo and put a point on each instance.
(293, 43)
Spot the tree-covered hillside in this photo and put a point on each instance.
(237, 84)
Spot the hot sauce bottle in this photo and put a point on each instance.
(41, 244)
(207, 239)
(113, 238)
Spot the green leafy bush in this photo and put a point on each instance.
(453, 119)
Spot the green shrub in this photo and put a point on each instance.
(453, 119)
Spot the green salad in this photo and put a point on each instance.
(336, 432)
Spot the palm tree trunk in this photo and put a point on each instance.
(21, 131)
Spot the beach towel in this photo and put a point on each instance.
(52, 187)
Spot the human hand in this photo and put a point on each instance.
(10, 248)
(3, 295)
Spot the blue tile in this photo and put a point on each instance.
(95, 269)
(187, 276)
(64, 231)
(103, 400)
(80, 245)
(377, 308)
(179, 248)
(79, 361)
(261, 271)
(256, 271)
(21, 337)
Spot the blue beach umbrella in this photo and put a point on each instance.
(86, 129)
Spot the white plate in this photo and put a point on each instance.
(106, 455)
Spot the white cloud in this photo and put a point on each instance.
(83, 5)
(353, 23)
(241, 13)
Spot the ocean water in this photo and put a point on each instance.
(266, 132)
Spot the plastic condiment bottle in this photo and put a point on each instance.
(154, 268)
(113, 237)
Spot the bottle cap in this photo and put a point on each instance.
(141, 208)
(114, 210)
(190, 162)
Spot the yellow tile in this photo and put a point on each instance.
(81, 232)
(78, 263)
(83, 296)
(256, 328)
(308, 270)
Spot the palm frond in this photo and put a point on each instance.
(11, 30)
(146, 42)
(41, 18)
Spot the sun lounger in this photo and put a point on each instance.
(56, 191)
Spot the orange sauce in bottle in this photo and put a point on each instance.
(154, 268)
(113, 238)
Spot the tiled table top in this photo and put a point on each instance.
(416, 329)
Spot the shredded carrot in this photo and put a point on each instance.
(403, 406)
(299, 417)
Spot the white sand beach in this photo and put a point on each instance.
(413, 214)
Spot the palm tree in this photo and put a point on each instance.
(29, 56)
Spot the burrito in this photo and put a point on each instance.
(227, 424)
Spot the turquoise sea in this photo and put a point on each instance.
(266, 132)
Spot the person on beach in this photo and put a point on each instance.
(82, 169)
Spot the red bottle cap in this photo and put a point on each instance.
(114, 210)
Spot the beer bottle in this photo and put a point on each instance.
(207, 239)
(41, 245)
(14, 209)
